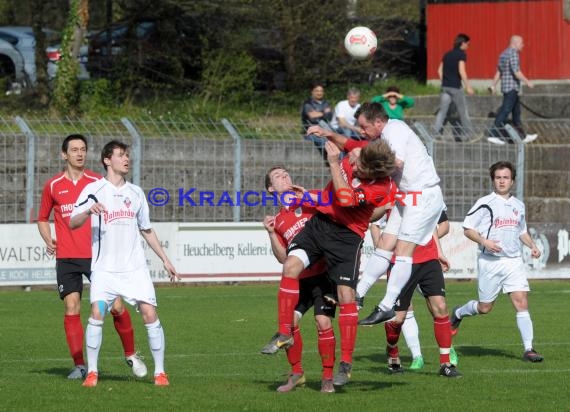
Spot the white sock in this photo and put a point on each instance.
(399, 276)
(411, 334)
(156, 343)
(93, 340)
(469, 309)
(376, 266)
(524, 322)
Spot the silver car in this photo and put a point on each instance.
(23, 40)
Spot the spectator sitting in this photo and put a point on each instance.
(316, 111)
(343, 121)
(394, 102)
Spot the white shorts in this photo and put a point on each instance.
(508, 274)
(133, 287)
(416, 221)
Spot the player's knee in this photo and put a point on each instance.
(155, 335)
(102, 307)
(323, 322)
(94, 333)
(484, 308)
(118, 307)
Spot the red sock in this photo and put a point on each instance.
(348, 325)
(74, 336)
(287, 299)
(327, 346)
(393, 330)
(294, 353)
(124, 328)
(442, 331)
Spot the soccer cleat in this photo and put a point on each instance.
(78, 372)
(343, 375)
(161, 379)
(532, 356)
(496, 140)
(359, 302)
(395, 366)
(453, 358)
(377, 316)
(530, 138)
(294, 379)
(417, 363)
(137, 365)
(449, 371)
(278, 341)
(327, 386)
(91, 379)
(454, 320)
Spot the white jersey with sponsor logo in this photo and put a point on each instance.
(503, 220)
(419, 171)
(116, 239)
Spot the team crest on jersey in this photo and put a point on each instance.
(515, 211)
(298, 212)
(127, 202)
(356, 182)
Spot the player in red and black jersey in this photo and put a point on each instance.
(73, 254)
(314, 284)
(359, 183)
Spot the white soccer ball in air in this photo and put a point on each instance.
(360, 42)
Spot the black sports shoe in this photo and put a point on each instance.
(395, 365)
(343, 375)
(278, 341)
(532, 356)
(449, 371)
(359, 302)
(377, 316)
(454, 320)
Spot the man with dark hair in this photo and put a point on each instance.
(359, 183)
(73, 254)
(497, 223)
(452, 72)
(119, 217)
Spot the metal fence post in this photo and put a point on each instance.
(426, 136)
(30, 165)
(136, 150)
(237, 166)
(519, 181)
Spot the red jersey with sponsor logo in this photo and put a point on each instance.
(288, 222)
(370, 193)
(60, 194)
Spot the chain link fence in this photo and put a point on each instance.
(213, 171)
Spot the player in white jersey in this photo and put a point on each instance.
(497, 224)
(413, 219)
(119, 216)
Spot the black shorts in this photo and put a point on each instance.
(339, 245)
(428, 277)
(311, 292)
(70, 275)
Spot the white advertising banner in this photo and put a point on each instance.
(222, 252)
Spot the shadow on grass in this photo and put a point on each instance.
(63, 372)
(473, 351)
(355, 384)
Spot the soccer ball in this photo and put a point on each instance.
(360, 42)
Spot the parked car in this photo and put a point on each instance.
(11, 65)
(23, 41)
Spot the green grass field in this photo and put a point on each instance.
(213, 338)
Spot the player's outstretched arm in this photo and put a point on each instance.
(150, 236)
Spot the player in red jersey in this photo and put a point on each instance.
(314, 284)
(427, 274)
(73, 254)
(359, 183)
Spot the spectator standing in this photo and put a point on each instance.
(510, 74)
(394, 102)
(453, 74)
